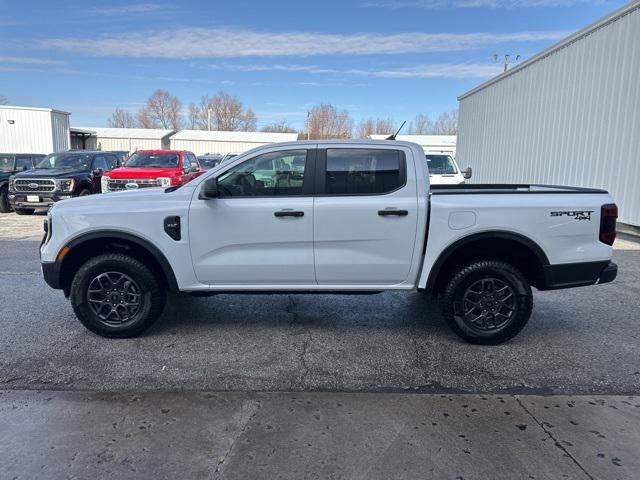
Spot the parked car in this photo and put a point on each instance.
(10, 164)
(59, 176)
(209, 161)
(443, 169)
(153, 168)
(359, 217)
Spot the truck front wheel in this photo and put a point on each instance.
(487, 302)
(115, 295)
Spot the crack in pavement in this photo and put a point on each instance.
(305, 345)
(555, 441)
(248, 410)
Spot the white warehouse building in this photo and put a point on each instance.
(201, 142)
(122, 139)
(33, 130)
(567, 116)
(429, 143)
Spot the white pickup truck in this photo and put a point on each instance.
(328, 217)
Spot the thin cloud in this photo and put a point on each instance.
(505, 4)
(443, 70)
(134, 8)
(188, 43)
(30, 61)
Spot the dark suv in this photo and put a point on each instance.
(59, 176)
(11, 163)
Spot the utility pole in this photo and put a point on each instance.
(208, 119)
(506, 59)
(308, 124)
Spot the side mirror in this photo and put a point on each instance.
(467, 173)
(97, 172)
(209, 189)
(194, 169)
(24, 168)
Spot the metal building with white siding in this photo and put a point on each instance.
(209, 141)
(129, 139)
(429, 143)
(569, 115)
(33, 130)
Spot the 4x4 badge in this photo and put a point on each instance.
(576, 214)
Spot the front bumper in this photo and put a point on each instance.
(45, 200)
(51, 274)
(569, 275)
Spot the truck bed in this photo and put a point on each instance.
(507, 188)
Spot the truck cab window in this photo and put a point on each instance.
(24, 162)
(359, 171)
(269, 174)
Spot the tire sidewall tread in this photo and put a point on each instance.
(469, 274)
(152, 290)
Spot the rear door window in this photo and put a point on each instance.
(360, 171)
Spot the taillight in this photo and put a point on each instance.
(608, 217)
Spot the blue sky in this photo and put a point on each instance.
(372, 57)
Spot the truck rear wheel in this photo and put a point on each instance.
(117, 296)
(487, 302)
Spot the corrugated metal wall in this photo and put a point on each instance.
(61, 140)
(130, 144)
(30, 132)
(571, 118)
(200, 147)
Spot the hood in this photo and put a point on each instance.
(146, 173)
(51, 173)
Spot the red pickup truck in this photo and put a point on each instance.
(153, 168)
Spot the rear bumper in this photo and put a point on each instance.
(569, 275)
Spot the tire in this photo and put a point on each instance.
(84, 192)
(24, 211)
(5, 206)
(121, 278)
(487, 302)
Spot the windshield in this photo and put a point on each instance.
(441, 164)
(6, 162)
(159, 160)
(78, 161)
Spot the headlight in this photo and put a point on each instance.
(104, 183)
(164, 181)
(11, 188)
(65, 185)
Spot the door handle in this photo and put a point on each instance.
(289, 213)
(389, 211)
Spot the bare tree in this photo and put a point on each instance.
(227, 113)
(4, 100)
(121, 118)
(326, 121)
(374, 126)
(446, 123)
(279, 127)
(161, 111)
(421, 125)
(193, 121)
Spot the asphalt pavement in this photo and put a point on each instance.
(579, 341)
